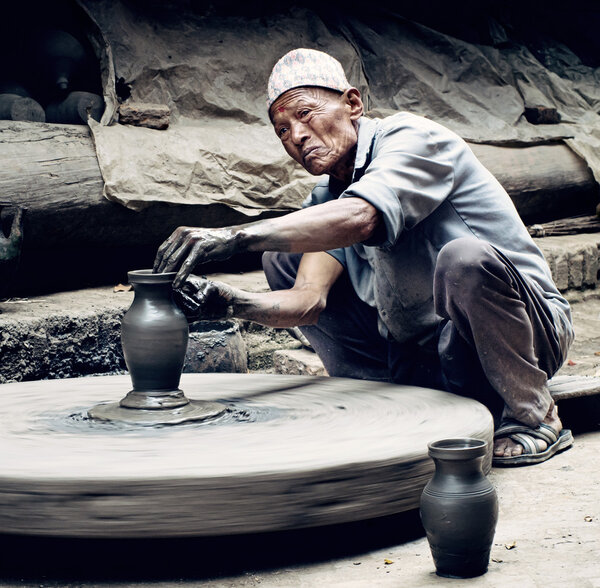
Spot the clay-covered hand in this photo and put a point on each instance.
(189, 246)
(202, 299)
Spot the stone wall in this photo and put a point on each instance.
(574, 260)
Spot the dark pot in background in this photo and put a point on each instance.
(459, 508)
(75, 109)
(154, 335)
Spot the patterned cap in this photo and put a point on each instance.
(305, 67)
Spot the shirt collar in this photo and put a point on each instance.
(366, 132)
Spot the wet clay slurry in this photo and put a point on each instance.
(298, 451)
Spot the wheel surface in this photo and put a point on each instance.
(290, 452)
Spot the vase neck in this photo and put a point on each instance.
(154, 291)
(459, 467)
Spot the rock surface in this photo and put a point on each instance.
(141, 114)
(574, 260)
(302, 362)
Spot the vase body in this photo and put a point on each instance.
(154, 335)
(459, 508)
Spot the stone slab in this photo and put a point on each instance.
(78, 333)
(298, 362)
(574, 260)
(67, 334)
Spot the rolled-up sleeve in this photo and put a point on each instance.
(408, 177)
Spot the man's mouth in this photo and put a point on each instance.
(308, 151)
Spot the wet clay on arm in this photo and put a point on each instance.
(334, 224)
(300, 305)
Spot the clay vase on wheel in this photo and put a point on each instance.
(459, 508)
(154, 335)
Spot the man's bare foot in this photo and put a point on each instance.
(506, 447)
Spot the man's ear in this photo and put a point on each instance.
(352, 98)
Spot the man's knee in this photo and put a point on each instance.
(463, 267)
(465, 262)
(280, 269)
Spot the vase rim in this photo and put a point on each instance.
(457, 448)
(145, 276)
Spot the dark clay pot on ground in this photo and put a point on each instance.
(459, 508)
(154, 335)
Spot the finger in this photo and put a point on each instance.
(177, 252)
(166, 249)
(193, 285)
(188, 265)
(171, 246)
(159, 260)
(191, 307)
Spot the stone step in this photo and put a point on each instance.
(304, 362)
(301, 362)
(574, 261)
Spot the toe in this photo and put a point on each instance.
(516, 449)
(505, 447)
(500, 447)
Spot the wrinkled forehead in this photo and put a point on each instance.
(304, 95)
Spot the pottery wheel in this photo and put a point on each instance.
(289, 452)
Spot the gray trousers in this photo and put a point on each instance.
(496, 342)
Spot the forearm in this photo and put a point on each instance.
(283, 308)
(334, 224)
(338, 223)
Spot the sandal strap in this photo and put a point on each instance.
(543, 431)
(531, 445)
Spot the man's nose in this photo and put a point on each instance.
(299, 133)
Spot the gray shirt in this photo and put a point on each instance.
(430, 189)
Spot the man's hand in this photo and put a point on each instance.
(189, 246)
(201, 299)
(333, 224)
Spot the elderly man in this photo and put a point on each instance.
(408, 263)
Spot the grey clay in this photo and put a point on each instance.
(154, 335)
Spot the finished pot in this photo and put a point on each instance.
(154, 335)
(459, 508)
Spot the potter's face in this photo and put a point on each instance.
(317, 127)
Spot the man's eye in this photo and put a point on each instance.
(282, 131)
(304, 113)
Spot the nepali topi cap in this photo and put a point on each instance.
(305, 67)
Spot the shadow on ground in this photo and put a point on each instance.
(581, 415)
(60, 561)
